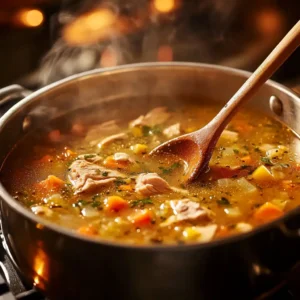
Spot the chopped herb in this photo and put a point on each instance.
(266, 161)
(245, 167)
(87, 156)
(236, 151)
(156, 129)
(256, 149)
(169, 170)
(119, 181)
(105, 173)
(80, 203)
(223, 201)
(96, 204)
(95, 197)
(146, 130)
(246, 147)
(141, 203)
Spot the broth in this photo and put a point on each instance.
(98, 180)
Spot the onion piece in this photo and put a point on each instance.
(243, 227)
(230, 135)
(89, 212)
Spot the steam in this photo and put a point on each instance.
(131, 31)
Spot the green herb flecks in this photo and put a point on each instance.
(141, 203)
(236, 151)
(266, 161)
(171, 169)
(87, 156)
(223, 201)
(105, 173)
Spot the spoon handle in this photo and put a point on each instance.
(275, 59)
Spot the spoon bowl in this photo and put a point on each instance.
(196, 148)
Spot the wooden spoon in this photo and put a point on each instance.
(196, 148)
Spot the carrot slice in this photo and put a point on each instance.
(222, 231)
(52, 183)
(87, 230)
(142, 218)
(126, 187)
(267, 212)
(113, 164)
(116, 203)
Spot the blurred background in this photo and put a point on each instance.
(42, 41)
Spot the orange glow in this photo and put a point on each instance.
(30, 17)
(109, 58)
(269, 21)
(40, 266)
(164, 6)
(165, 53)
(91, 27)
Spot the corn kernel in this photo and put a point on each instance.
(190, 233)
(137, 131)
(139, 149)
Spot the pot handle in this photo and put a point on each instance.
(10, 95)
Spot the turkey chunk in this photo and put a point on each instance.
(151, 184)
(112, 138)
(187, 210)
(156, 116)
(172, 131)
(88, 177)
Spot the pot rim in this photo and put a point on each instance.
(130, 67)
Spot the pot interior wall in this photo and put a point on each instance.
(140, 87)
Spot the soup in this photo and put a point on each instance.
(98, 180)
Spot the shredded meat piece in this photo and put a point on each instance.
(156, 116)
(184, 210)
(151, 184)
(88, 177)
(104, 129)
(124, 157)
(112, 138)
(172, 131)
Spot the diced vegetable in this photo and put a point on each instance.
(137, 131)
(262, 174)
(52, 183)
(89, 212)
(55, 200)
(230, 135)
(142, 218)
(267, 212)
(111, 163)
(42, 210)
(232, 212)
(115, 203)
(266, 147)
(200, 233)
(126, 187)
(277, 172)
(139, 149)
(246, 186)
(243, 227)
(276, 152)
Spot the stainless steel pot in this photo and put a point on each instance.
(64, 265)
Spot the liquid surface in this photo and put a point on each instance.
(98, 180)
